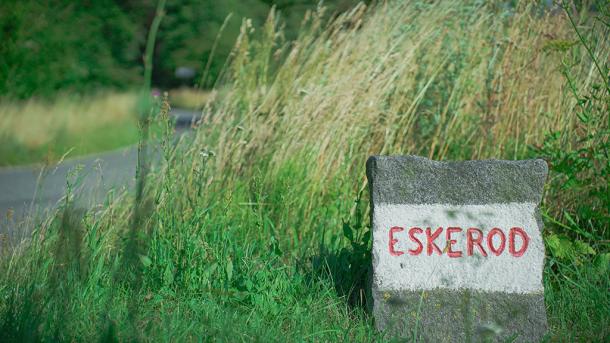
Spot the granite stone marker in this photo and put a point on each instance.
(457, 249)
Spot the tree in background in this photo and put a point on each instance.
(190, 30)
(54, 45)
(50, 45)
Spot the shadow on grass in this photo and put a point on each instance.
(348, 266)
(46, 288)
(348, 270)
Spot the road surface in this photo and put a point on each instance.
(34, 190)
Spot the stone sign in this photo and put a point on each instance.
(457, 249)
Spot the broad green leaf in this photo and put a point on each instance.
(229, 269)
(583, 248)
(560, 246)
(168, 275)
(146, 261)
(602, 263)
(347, 231)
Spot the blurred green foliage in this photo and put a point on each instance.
(50, 45)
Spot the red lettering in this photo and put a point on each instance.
(511, 241)
(420, 246)
(471, 241)
(394, 241)
(492, 233)
(431, 246)
(450, 242)
(474, 238)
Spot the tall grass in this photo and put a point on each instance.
(255, 228)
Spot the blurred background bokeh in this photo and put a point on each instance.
(70, 71)
(80, 46)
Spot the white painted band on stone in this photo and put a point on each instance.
(504, 273)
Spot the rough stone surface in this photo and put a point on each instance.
(473, 297)
(418, 180)
(461, 316)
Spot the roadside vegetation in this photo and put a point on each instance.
(42, 131)
(255, 228)
(44, 60)
(45, 131)
(191, 98)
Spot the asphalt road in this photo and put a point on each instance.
(33, 190)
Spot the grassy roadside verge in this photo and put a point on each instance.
(37, 131)
(256, 228)
(41, 132)
(191, 98)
